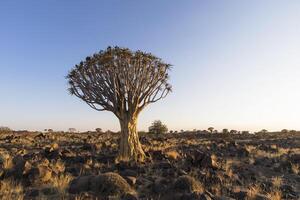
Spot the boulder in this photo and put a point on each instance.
(188, 184)
(110, 184)
(80, 184)
(103, 185)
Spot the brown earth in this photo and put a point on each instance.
(179, 166)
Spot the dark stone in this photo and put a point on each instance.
(31, 193)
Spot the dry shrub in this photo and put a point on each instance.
(11, 190)
(253, 191)
(188, 184)
(277, 182)
(274, 195)
(295, 168)
(58, 166)
(216, 189)
(228, 168)
(7, 161)
(61, 183)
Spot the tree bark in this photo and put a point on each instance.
(130, 146)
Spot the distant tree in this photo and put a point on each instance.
(264, 131)
(72, 130)
(284, 131)
(157, 127)
(98, 130)
(293, 131)
(233, 131)
(123, 82)
(171, 131)
(225, 131)
(4, 129)
(50, 130)
(211, 129)
(245, 132)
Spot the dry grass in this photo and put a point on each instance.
(274, 195)
(11, 190)
(61, 183)
(253, 191)
(277, 182)
(261, 153)
(228, 168)
(7, 161)
(295, 168)
(250, 148)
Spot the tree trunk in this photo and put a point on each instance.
(130, 146)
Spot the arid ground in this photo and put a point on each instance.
(194, 165)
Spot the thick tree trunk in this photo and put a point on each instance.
(130, 146)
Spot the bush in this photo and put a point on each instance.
(225, 131)
(4, 130)
(158, 127)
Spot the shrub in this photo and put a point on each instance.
(98, 130)
(225, 131)
(5, 130)
(158, 127)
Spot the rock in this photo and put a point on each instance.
(131, 180)
(45, 173)
(49, 191)
(129, 172)
(204, 197)
(80, 184)
(161, 185)
(242, 152)
(157, 155)
(295, 158)
(172, 155)
(31, 194)
(188, 184)
(18, 167)
(287, 189)
(110, 184)
(103, 185)
(53, 152)
(164, 165)
(27, 167)
(129, 196)
(200, 159)
(143, 181)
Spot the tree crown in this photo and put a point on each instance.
(120, 80)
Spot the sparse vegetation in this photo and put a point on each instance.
(190, 165)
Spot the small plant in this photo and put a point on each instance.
(6, 161)
(253, 191)
(295, 168)
(10, 189)
(61, 183)
(274, 195)
(277, 182)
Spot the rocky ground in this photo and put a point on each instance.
(179, 166)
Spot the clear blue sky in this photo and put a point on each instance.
(236, 63)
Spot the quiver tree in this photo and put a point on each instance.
(123, 82)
